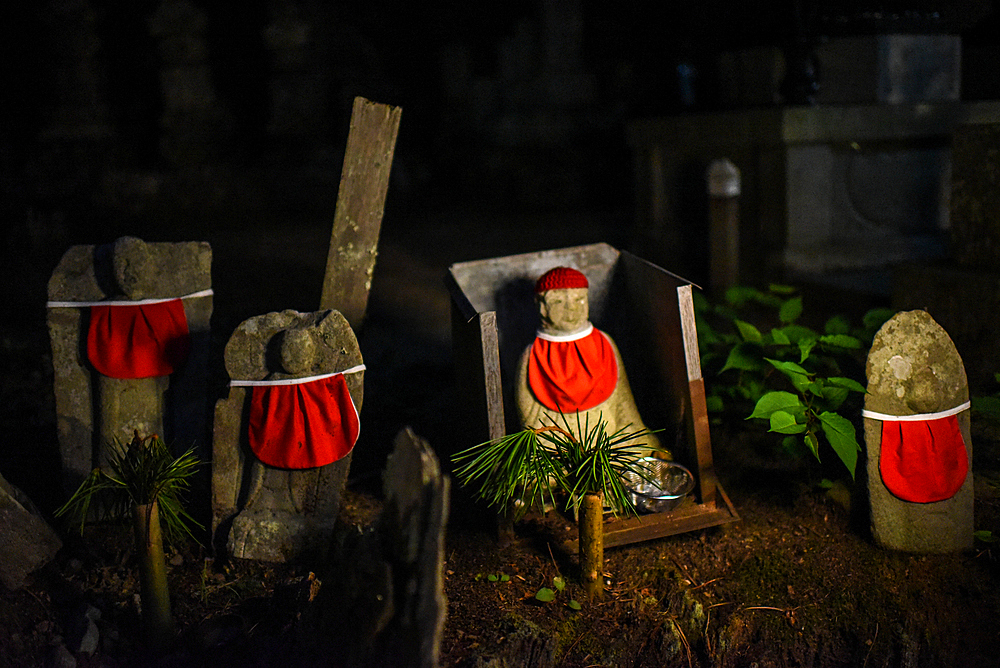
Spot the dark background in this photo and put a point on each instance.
(512, 139)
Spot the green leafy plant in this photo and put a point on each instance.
(526, 468)
(143, 481)
(797, 379)
(988, 406)
(548, 595)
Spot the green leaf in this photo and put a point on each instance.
(749, 333)
(846, 383)
(986, 406)
(795, 373)
(745, 357)
(791, 446)
(714, 403)
(504, 577)
(790, 310)
(840, 432)
(784, 423)
(838, 324)
(492, 577)
(812, 443)
(780, 289)
(739, 295)
(776, 401)
(796, 333)
(558, 583)
(834, 396)
(840, 341)
(574, 604)
(874, 319)
(780, 338)
(805, 349)
(701, 303)
(545, 595)
(984, 536)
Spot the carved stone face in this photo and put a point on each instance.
(298, 351)
(132, 263)
(564, 311)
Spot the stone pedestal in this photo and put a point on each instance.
(825, 188)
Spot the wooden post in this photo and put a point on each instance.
(723, 225)
(591, 529)
(698, 430)
(364, 182)
(156, 617)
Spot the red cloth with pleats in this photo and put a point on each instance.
(571, 376)
(923, 461)
(304, 425)
(138, 341)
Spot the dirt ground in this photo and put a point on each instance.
(792, 583)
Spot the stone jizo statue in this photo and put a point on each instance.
(573, 367)
(919, 447)
(284, 435)
(129, 326)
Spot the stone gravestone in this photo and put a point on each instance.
(276, 485)
(382, 604)
(917, 435)
(129, 329)
(28, 541)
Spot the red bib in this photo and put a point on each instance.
(574, 375)
(923, 461)
(303, 425)
(138, 341)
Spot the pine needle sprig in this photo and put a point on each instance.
(136, 475)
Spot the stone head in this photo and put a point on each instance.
(132, 267)
(298, 350)
(563, 302)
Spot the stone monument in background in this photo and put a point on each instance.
(129, 329)
(284, 434)
(919, 449)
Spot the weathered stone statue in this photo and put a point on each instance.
(284, 435)
(917, 436)
(573, 367)
(129, 328)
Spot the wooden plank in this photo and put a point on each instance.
(490, 342)
(627, 531)
(698, 429)
(364, 182)
(477, 364)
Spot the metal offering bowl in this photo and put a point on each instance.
(667, 486)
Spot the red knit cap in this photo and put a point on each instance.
(560, 278)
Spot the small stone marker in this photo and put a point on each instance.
(28, 541)
(383, 602)
(723, 179)
(129, 328)
(917, 435)
(364, 182)
(284, 434)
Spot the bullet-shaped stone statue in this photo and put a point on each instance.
(917, 436)
(284, 434)
(129, 327)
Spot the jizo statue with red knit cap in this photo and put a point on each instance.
(572, 367)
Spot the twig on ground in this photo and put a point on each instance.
(874, 638)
